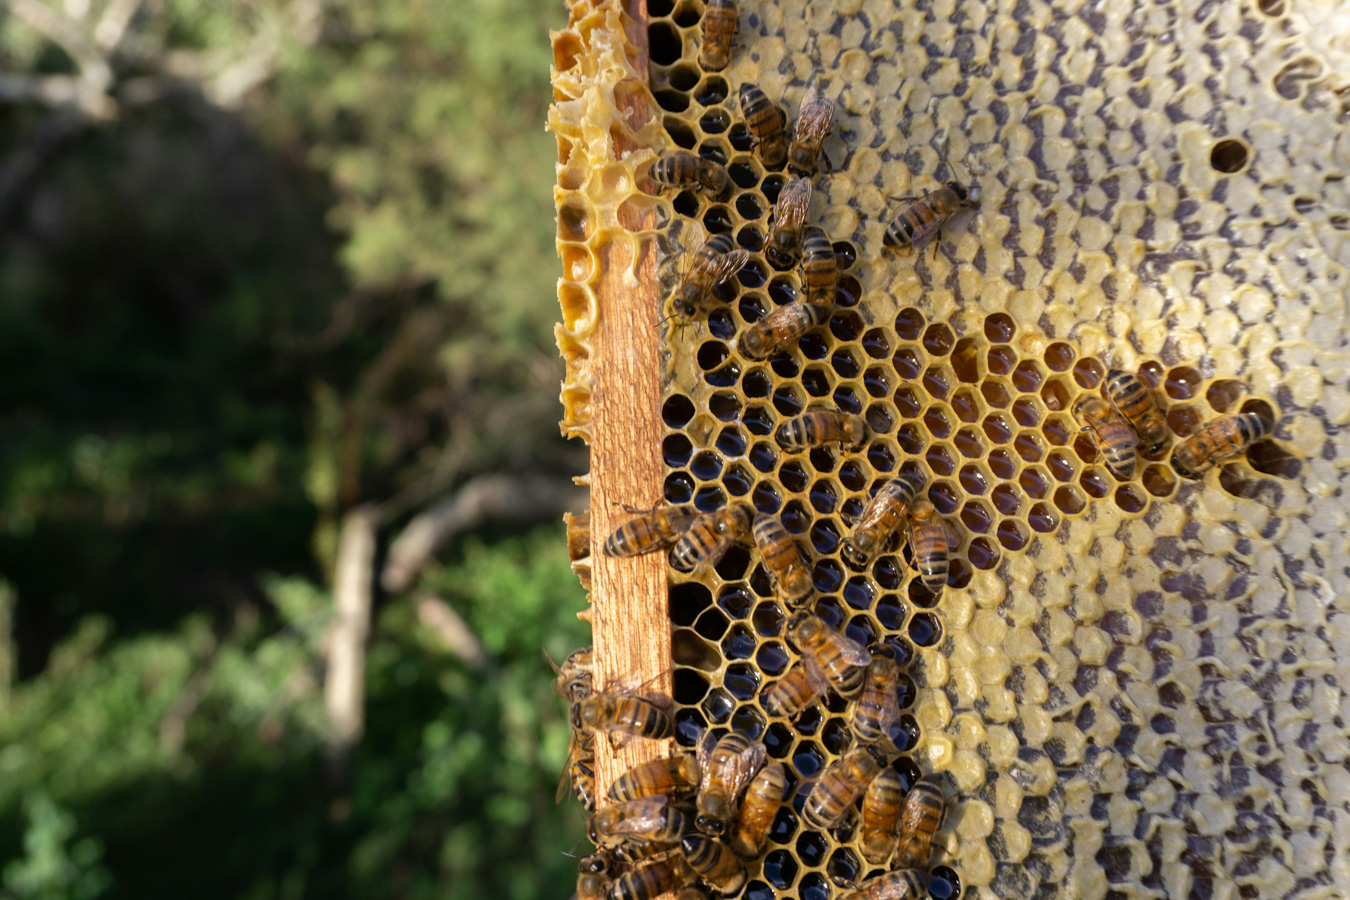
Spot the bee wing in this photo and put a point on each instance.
(791, 209)
(745, 767)
(642, 816)
(729, 264)
(815, 674)
(705, 749)
(853, 652)
(814, 119)
(575, 751)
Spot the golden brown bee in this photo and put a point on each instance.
(767, 124)
(1218, 440)
(820, 269)
(789, 218)
(783, 559)
(839, 785)
(919, 819)
(1139, 407)
(709, 538)
(591, 885)
(821, 426)
(718, 865)
(574, 679)
(720, 26)
(879, 519)
(578, 775)
(758, 809)
(920, 220)
(681, 170)
(727, 766)
(813, 124)
(1115, 438)
(652, 879)
(786, 323)
(714, 263)
(648, 820)
(692, 892)
(800, 686)
(653, 529)
(931, 539)
(878, 707)
(673, 776)
(842, 659)
(612, 712)
(898, 884)
(880, 813)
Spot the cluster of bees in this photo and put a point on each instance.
(690, 822)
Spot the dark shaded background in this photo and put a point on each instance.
(260, 265)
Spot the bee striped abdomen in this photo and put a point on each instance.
(931, 555)
(898, 884)
(919, 819)
(820, 269)
(1137, 404)
(878, 705)
(786, 323)
(839, 785)
(715, 863)
(792, 693)
(782, 557)
(720, 24)
(654, 530)
(880, 518)
(672, 776)
(709, 538)
(759, 808)
(821, 426)
(1218, 440)
(880, 813)
(765, 121)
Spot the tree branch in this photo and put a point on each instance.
(344, 685)
(441, 618)
(501, 497)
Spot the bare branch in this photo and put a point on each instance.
(113, 24)
(501, 497)
(66, 34)
(344, 686)
(453, 631)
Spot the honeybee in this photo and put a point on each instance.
(727, 766)
(692, 892)
(1139, 407)
(878, 707)
(898, 884)
(789, 218)
(880, 812)
(1114, 436)
(709, 538)
(720, 26)
(820, 269)
(652, 879)
(921, 219)
(612, 712)
(786, 323)
(653, 529)
(672, 776)
(1218, 440)
(807, 681)
(879, 519)
(758, 809)
(679, 170)
(718, 865)
(931, 539)
(591, 885)
(783, 559)
(648, 820)
(578, 775)
(919, 819)
(714, 263)
(841, 658)
(767, 124)
(821, 426)
(574, 678)
(813, 124)
(839, 785)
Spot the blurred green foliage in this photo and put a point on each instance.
(220, 328)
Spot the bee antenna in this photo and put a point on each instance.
(550, 660)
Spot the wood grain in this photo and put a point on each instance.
(629, 617)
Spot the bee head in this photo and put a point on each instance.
(854, 550)
(710, 825)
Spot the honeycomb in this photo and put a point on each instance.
(1133, 688)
